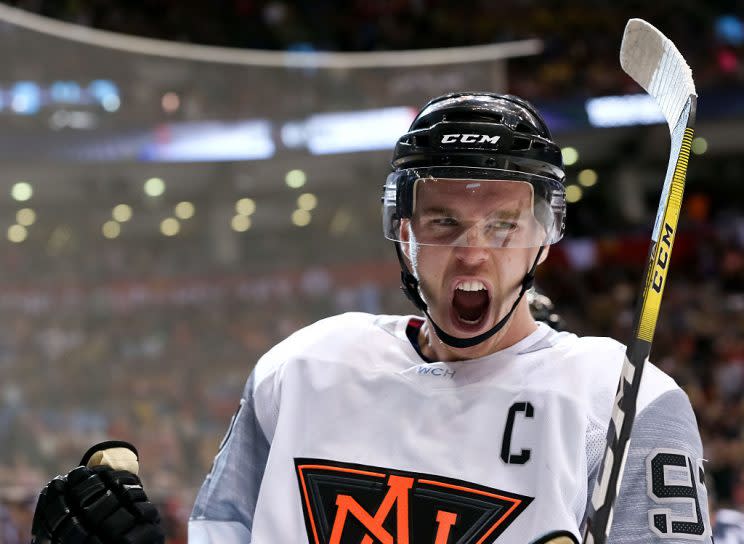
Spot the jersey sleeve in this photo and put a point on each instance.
(662, 497)
(226, 502)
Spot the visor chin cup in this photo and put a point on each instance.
(472, 207)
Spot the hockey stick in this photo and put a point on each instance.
(652, 60)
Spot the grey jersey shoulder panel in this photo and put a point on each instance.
(666, 425)
(230, 491)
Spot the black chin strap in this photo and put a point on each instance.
(410, 288)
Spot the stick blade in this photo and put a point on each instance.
(653, 61)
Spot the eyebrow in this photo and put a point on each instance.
(441, 210)
(431, 210)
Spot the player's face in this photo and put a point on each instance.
(470, 285)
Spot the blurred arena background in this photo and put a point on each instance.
(171, 209)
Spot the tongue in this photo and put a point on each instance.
(470, 305)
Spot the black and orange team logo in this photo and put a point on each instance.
(347, 503)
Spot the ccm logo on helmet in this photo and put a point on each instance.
(469, 139)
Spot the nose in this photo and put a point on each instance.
(474, 250)
(471, 255)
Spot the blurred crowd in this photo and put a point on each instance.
(166, 372)
(165, 376)
(579, 59)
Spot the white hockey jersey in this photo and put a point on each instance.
(729, 527)
(346, 435)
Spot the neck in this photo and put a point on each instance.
(521, 325)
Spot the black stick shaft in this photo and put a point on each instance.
(646, 316)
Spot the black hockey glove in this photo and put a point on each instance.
(96, 505)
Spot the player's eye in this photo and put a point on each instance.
(502, 226)
(444, 221)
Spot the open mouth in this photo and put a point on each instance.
(470, 303)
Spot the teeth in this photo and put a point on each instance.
(473, 285)
(468, 321)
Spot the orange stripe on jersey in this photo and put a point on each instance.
(343, 469)
(468, 490)
(309, 506)
(499, 522)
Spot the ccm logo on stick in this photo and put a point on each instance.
(469, 139)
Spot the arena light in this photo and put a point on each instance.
(346, 132)
(185, 210)
(570, 155)
(307, 201)
(293, 134)
(573, 194)
(17, 233)
(111, 229)
(245, 206)
(26, 98)
(122, 213)
(198, 141)
(111, 103)
(240, 223)
(170, 226)
(301, 218)
(699, 145)
(587, 177)
(26, 217)
(79, 120)
(106, 93)
(170, 102)
(627, 110)
(22, 191)
(295, 178)
(154, 187)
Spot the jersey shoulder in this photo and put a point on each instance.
(351, 336)
(596, 363)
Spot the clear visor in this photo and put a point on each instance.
(493, 213)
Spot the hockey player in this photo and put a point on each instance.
(729, 526)
(470, 423)
(726, 515)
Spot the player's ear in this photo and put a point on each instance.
(405, 238)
